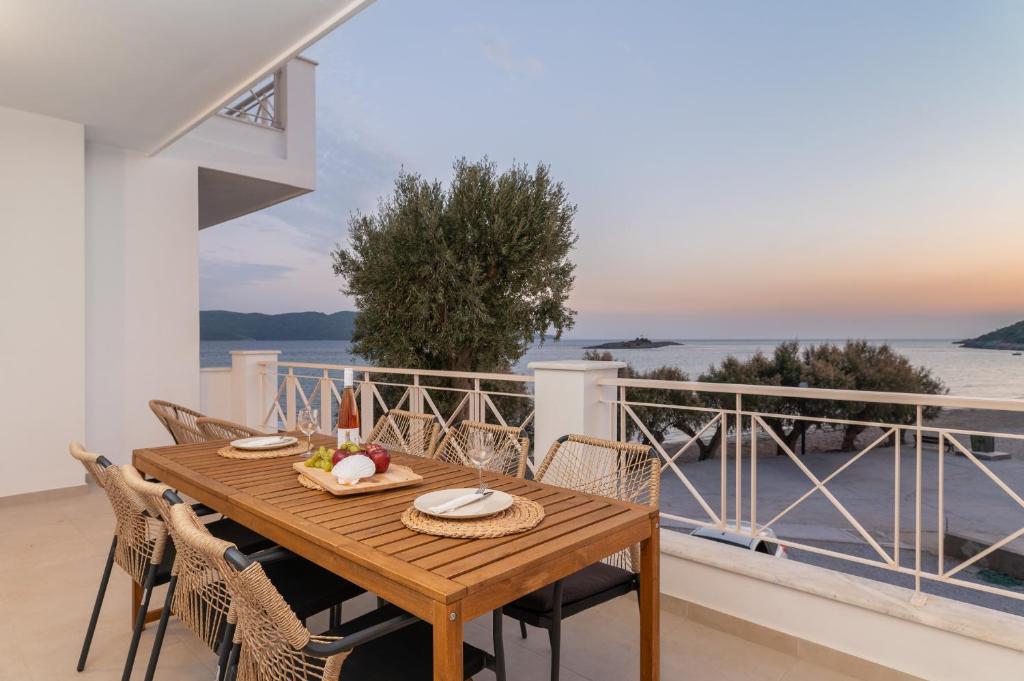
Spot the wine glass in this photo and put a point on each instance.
(306, 422)
(479, 451)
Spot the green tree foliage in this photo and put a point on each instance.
(462, 277)
(857, 365)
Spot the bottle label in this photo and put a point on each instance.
(348, 435)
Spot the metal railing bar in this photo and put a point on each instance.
(828, 495)
(911, 399)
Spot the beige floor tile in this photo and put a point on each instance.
(807, 671)
(53, 554)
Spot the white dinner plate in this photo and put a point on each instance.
(495, 503)
(264, 442)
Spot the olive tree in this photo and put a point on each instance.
(461, 277)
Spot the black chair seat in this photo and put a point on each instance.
(591, 581)
(309, 588)
(241, 536)
(404, 655)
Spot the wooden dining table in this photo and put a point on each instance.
(443, 581)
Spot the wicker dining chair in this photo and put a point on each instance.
(404, 431)
(219, 429)
(198, 597)
(179, 421)
(96, 466)
(384, 645)
(510, 450)
(140, 548)
(620, 470)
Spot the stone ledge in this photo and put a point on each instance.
(963, 619)
(788, 644)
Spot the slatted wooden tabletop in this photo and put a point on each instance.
(444, 581)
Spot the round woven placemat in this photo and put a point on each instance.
(521, 516)
(306, 482)
(230, 452)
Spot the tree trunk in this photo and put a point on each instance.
(850, 437)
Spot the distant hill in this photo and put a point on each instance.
(224, 325)
(638, 343)
(1007, 338)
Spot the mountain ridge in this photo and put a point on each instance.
(228, 325)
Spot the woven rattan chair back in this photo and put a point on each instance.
(201, 598)
(141, 536)
(414, 434)
(90, 461)
(219, 429)
(510, 449)
(620, 470)
(179, 421)
(270, 634)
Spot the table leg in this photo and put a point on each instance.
(447, 622)
(650, 605)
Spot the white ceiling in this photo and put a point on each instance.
(141, 73)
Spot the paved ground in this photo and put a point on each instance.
(974, 506)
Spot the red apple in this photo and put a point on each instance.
(380, 456)
(340, 454)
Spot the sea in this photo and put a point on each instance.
(965, 371)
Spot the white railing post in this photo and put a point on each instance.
(366, 400)
(416, 398)
(477, 409)
(291, 410)
(326, 422)
(569, 399)
(253, 385)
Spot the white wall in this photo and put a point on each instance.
(100, 283)
(42, 375)
(215, 392)
(142, 295)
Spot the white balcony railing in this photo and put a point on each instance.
(450, 396)
(889, 498)
(261, 104)
(741, 427)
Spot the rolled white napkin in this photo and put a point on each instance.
(457, 502)
(265, 441)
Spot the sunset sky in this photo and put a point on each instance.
(742, 169)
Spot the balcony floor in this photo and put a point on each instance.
(52, 555)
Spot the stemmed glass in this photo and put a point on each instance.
(479, 451)
(306, 422)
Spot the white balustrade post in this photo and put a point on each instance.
(416, 401)
(326, 422)
(252, 391)
(568, 399)
(366, 400)
(290, 399)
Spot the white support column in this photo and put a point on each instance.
(569, 400)
(250, 395)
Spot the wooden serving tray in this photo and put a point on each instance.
(396, 476)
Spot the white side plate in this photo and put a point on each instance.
(256, 444)
(495, 503)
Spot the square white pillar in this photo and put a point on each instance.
(569, 399)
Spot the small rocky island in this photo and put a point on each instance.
(1007, 338)
(638, 343)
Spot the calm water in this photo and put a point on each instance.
(979, 373)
